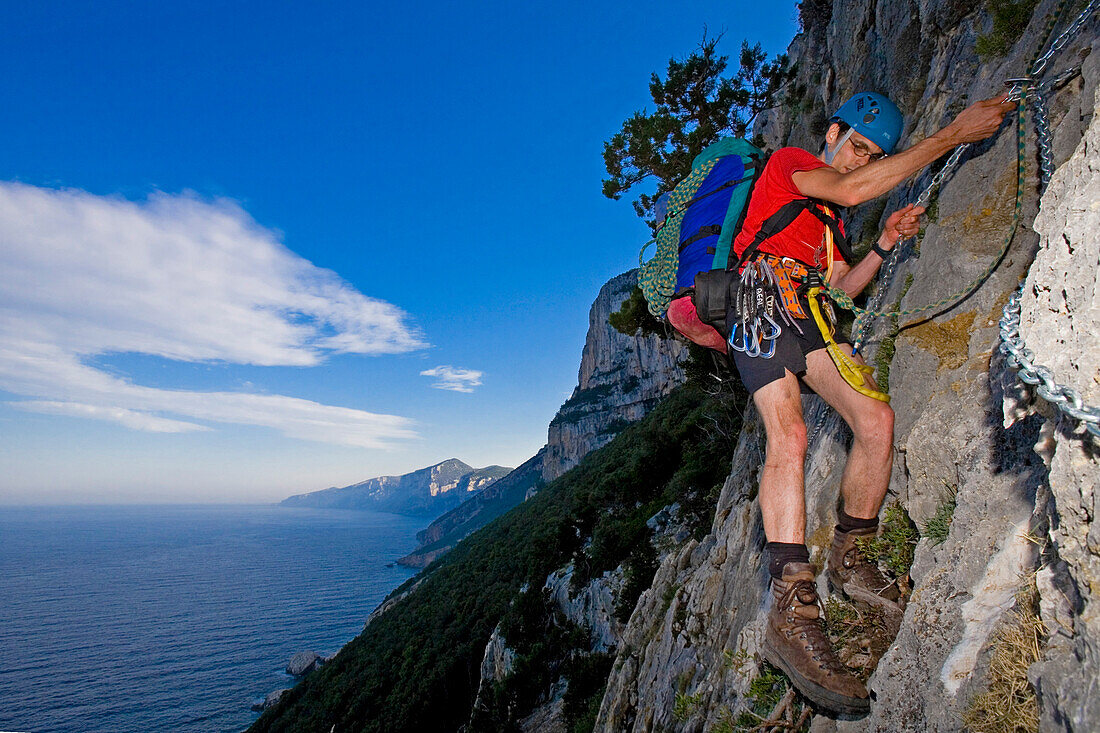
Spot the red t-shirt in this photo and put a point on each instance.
(804, 239)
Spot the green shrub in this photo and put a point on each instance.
(633, 316)
(417, 666)
(1010, 19)
(939, 524)
(765, 692)
(894, 545)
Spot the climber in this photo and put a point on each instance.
(854, 166)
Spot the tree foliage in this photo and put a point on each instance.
(696, 105)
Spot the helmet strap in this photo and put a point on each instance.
(831, 152)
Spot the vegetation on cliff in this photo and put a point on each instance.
(417, 666)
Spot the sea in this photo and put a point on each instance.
(178, 618)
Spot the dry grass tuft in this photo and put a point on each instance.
(858, 633)
(1010, 704)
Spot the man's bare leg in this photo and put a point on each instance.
(782, 496)
(864, 484)
(867, 472)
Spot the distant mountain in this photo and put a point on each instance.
(478, 510)
(432, 490)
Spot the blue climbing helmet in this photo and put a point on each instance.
(873, 116)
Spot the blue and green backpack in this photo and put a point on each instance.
(703, 214)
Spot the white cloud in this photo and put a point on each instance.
(456, 380)
(185, 279)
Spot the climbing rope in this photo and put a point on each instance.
(863, 323)
(657, 277)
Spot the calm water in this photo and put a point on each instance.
(177, 618)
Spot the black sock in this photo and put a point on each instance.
(781, 553)
(846, 523)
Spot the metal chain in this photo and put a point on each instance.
(864, 320)
(1071, 30)
(1022, 89)
(1021, 358)
(1043, 141)
(1013, 346)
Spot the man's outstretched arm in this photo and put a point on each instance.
(976, 122)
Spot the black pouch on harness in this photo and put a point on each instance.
(714, 296)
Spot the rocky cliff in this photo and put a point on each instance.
(477, 511)
(621, 377)
(993, 492)
(1022, 533)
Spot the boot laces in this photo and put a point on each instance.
(810, 630)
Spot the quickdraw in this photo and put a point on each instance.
(755, 328)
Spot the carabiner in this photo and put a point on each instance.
(741, 344)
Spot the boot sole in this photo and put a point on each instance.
(814, 692)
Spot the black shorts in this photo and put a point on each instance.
(790, 355)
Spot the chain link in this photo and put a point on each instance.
(1021, 358)
(1071, 30)
(864, 320)
(1013, 346)
(1042, 135)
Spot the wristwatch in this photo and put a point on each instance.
(880, 251)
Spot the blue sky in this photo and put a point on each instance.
(254, 249)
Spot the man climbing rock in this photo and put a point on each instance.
(855, 165)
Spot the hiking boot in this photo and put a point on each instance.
(795, 642)
(848, 566)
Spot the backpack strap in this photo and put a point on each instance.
(815, 207)
(784, 216)
(711, 230)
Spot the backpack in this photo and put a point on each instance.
(704, 212)
(694, 256)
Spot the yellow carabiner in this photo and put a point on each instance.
(855, 374)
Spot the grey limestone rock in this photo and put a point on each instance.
(593, 607)
(1060, 322)
(694, 634)
(620, 379)
(303, 663)
(270, 701)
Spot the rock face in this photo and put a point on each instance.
(1060, 320)
(592, 608)
(270, 701)
(303, 663)
(693, 635)
(430, 490)
(620, 379)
